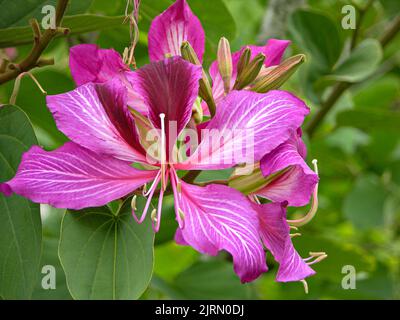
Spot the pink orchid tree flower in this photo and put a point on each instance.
(95, 167)
(106, 132)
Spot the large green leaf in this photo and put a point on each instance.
(51, 221)
(106, 256)
(15, 13)
(210, 279)
(318, 35)
(213, 279)
(360, 64)
(77, 24)
(20, 226)
(364, 205)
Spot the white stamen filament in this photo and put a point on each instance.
(314, 205)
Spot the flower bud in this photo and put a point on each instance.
(277, 76)
(224, 58)
(253, 182)
(205, 91)
(189, 54)
(250, 72)
(243, 60)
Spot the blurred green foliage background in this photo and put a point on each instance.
(357, 144)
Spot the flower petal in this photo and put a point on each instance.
(88, 63)
(74, 177)
(275, 233)
(171, 28)
(246, 127)
(170, 87)
(96, 117)
(295, 185)
(217, 218)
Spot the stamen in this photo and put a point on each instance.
(144, 190)
(157, 220)
(163, 151)
(153, 185)
(294, 228)
(150, 194)
(305, 284)
(293, 235)
(314, 205)
(174, 184)
(133, 203)
(319, 256)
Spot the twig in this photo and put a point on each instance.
(341, 87)
(40, 44)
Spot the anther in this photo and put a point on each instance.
(319, 256)
(292, 235)
(133, 203)
(153, 215)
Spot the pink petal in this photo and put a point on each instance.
(88, 63)
(249, 125)
(275, 233)
(297, 184)
(273, 51)
(96, 117)
(171, 28)
(74, 177)
(169, 86)
(220, 218)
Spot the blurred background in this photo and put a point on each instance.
(351, 82)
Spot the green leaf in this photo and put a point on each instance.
(106, 256)
(77, 24)
(369, 119)
(14, 13)
(318, 35)
(364, 205)
(213, 279)
(20, 226)
(168, 267)
(360, 64)
(51, 220)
